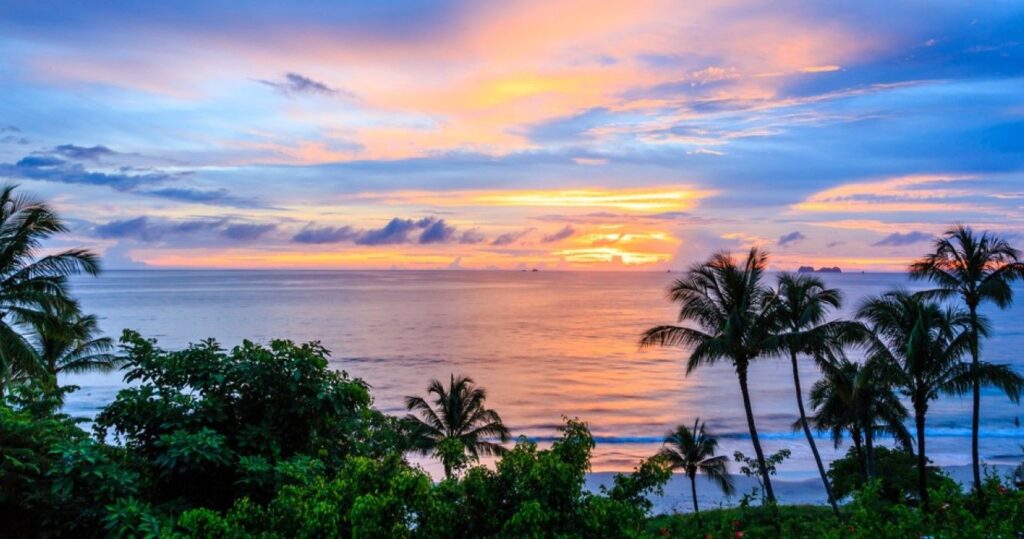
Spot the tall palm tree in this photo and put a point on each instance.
(458, 424)
(730, 307)
(855, 398)
(920, 344)
(802, 305)
(68, 341)
(694, 451)
(28, 281)
(978, 269)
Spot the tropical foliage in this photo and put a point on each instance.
(855, 399)
(919, 345)
(458, 429)
(867, 516)
(31, 283)
(978, 269)
(731, 309)
(895, 475)
(298, 453)
(693, 451)
(67, 341)
(801, 309)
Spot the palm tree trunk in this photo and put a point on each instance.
(742, 373)
(858, 448)
(5, 365)
(869, 452)
(976, 416)
(807, 432)
(693, 492)
(922, 460)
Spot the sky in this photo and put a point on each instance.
(555, 134)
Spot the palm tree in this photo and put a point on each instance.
(731, 309)
(978, 269)
(29, 282)
(802, 304)
(68, 341)
(855, 398)
(919, 344)
(457, 424)
(694, 451)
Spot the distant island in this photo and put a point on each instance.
(810, 269)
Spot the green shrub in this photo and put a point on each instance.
(953, 515)
(896, 469)
(54, 480)
(210, 425)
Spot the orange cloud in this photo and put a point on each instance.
(498, 68)
(634, 200)
(922, 193)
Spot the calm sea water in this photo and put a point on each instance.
(545, 345)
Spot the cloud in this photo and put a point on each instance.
(13, 135)
(511, 237)
(897, 239)
(152, 230)
(915, 193)
(245, 232)
(130, 228)
(570, 128)
(53, 169)
(437, 232)
(200, 196)
(792, 237)
(118, 257)
(33, 162)
(396, 231)
(149, 230)
(560, 235)
(472, 236)
(318, 235)
(83, 153)
(294, 84)
(48, 168)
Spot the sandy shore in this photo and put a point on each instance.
(677, 497)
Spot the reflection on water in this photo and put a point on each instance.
(544, 345)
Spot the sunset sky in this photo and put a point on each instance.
(551, 134)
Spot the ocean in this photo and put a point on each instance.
(545, 345)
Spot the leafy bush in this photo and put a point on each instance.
(53, 479)
(209, 424)
(366, 498)
(895, 469)
(532, 493)
(953, 515)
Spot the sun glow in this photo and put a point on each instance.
(655, 199)
(639, 201)
(612, 255)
